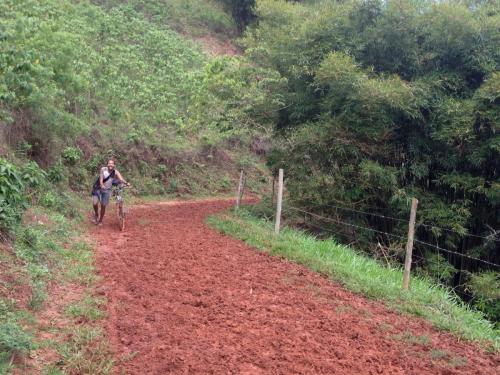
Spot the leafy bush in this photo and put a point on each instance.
(485, 288)
(439, 268)
(34, 179)
(263, 209)
(92, 165)
(237, 97)
(30, 245)
(33, 176)
(161, 169)
(194, 17)
(151, 186)
(71, 155)
(55, 173)
(133, 136)
(173, 185)
(13, 338)
(225, 182)
(244, 163)
(49, 199)
(24, 148)
(38, 294)
(79, 178)
(9, 217)
(12, 200)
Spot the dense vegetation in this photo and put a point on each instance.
(385, 101)
(188, 17)
(368, 103)
(242, 11)
(80, 82)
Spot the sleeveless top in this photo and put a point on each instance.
(105, 172)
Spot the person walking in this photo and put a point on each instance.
(101, 190)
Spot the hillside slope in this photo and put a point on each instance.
(80, 82)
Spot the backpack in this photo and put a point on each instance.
(97, 185)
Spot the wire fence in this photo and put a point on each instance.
(345, 208)
(428, 226)
(487, 238)
(415, 257)
(389, 245)
(340, 222)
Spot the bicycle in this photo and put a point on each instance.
(120, 206)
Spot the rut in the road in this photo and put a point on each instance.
(183, 298)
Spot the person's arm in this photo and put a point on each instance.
(122, 180)
(101, 179)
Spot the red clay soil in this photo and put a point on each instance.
(184, 299)
(216, 47)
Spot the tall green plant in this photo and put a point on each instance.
(11, 195)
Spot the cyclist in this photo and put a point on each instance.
(101, 190)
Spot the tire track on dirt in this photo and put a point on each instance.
(184, 299)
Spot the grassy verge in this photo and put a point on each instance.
(363, 275)
(61, 332)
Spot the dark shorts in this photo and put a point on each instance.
(101, 196)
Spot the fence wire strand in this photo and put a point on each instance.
(414, 256)
(324, 229)
(487, 238)
(336, 221)
(362, 212)
(456, 253)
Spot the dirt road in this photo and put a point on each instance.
(184, 299)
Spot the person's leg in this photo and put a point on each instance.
(95, 204)
(103, 212)
(104, 202)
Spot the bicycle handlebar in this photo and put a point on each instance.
(116, 187)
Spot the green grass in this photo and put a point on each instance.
(85, 352)
(410, 338)
(15, 339)
(363, 275)
(89, 308)
(438, 354)
(47, 249)
(192, 17)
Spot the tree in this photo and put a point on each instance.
(242, 11)
(387, 100)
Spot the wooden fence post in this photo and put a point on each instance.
(274, 188)
(278, 203)
(243, 181)
(409, 243)
(240, 190)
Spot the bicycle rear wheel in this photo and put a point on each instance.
(121, 216)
